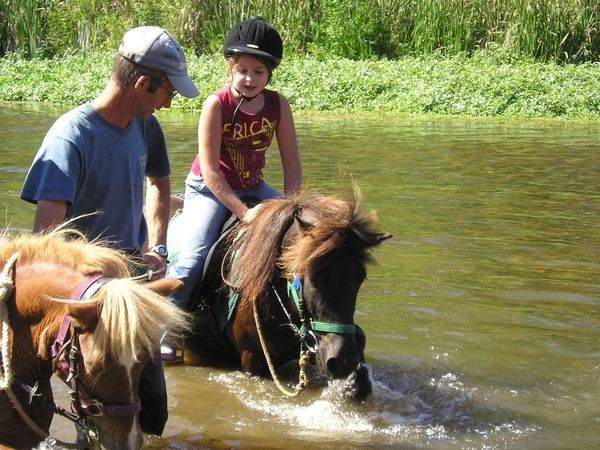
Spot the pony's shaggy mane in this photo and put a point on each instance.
(132, 319)
(331, 222)
(67, 247)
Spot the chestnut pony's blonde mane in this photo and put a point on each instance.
(132, 318)
(332, 222)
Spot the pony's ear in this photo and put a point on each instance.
(83, 314)
(164, 286)
(305, 220)
(372, 239)
(383, 236)
(304, 226)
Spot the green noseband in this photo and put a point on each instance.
(323, 327)
(332, 327)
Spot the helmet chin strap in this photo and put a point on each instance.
(244, 98)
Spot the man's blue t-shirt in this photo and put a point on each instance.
(99, 168)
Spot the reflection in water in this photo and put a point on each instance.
(482, 314)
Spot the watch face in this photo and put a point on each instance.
(160, 249)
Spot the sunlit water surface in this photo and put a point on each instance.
(482, 314)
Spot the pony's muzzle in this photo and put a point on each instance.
(339, 355)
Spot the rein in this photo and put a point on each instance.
(306, 334)
(303, 360)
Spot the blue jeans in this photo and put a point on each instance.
(203, 217)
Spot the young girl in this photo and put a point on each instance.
(236, 127)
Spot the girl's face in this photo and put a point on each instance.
(249, 75)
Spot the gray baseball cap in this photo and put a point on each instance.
(155, 48)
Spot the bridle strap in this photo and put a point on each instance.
(84, 291)
(294, 290)
(332, 327)
(88, 287)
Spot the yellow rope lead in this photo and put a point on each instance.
(6, 289)
(302, 378)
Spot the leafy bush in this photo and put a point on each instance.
(486, 84)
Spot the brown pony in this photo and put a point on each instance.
(294, 271)
(99, 349)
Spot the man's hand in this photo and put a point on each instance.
(157, 265)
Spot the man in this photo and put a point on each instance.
(92, 164)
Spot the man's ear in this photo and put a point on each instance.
(146, 83)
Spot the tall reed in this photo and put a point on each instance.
(558, 30)
(346, 28)
(210, 20)
(561, 30)
(22, 23)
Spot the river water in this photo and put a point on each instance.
(482, 314)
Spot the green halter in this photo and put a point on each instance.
(326, 327)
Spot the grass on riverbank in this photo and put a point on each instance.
(484, 85)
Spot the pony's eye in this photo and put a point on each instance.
(87, 330)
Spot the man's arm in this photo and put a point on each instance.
(158, 197)
(48, 214)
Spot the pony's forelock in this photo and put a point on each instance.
(133, 319)
(333, 220)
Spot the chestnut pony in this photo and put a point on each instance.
(294, 273)
(98, 345)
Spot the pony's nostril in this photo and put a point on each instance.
(332, 367)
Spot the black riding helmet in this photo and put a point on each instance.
(254, 37)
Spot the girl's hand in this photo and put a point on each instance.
(252, 213)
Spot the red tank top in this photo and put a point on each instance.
(243, 148)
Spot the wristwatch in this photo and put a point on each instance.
(160, 250)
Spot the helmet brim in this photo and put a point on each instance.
(251, 51)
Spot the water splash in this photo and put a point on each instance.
(415, 407)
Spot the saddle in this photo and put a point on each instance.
(221, 306)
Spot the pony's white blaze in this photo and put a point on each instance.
(127, 362)
(135, 437)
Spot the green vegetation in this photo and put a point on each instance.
(544, 30)
(517, 58)
(482, 85)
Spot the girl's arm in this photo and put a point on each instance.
(209, 145)
(288, 149)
